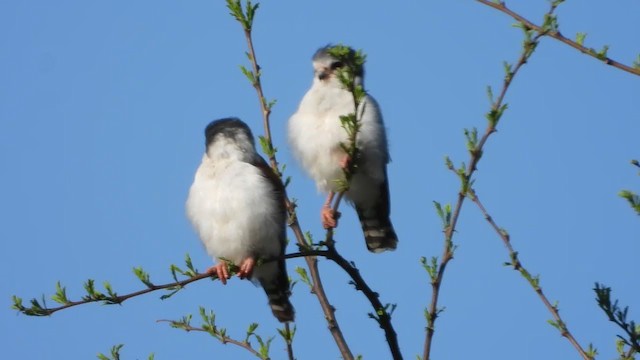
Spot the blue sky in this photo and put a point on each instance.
(102, 109)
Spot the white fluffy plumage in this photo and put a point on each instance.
(236, 205)
(316, 135)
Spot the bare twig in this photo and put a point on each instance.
(554, 33)
(534, 281)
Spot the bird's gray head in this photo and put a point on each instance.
(229, 131)
(329, 59)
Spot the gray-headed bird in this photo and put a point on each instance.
(317, 139)
(237, 206)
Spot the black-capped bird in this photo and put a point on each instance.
(236, 205)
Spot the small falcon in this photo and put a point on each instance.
(237, 206)
(316, 135)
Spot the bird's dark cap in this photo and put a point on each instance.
(348, 56)
(228, 126)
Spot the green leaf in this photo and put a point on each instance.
(249, 74)
(287, 335)
(448, 163)
(636, 63)
(444, 213)
(189, 264)
(601, 54)
(580, 38)
(61, 295)
(303, 276)
(472, 140)
(508, 74)
(490, 94)
(113, 296)
(143, 276)
(115, 353)
(632, 198)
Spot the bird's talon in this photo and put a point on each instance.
(246, 268)
(220, 271)
(329, 217)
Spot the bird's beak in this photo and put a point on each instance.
(324, 74)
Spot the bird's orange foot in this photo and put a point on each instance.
(328, 217)
(246, 268)
(221, 271)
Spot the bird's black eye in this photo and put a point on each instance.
(337, 65)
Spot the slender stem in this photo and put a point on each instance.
(266, 110)
(447, 255)
(517, 265)
(223, 339)
(475, 155)
(115, 299)
(558, 36)
(289, 342)
(151, 288)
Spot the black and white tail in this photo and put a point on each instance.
(275, 283)
(376, 223)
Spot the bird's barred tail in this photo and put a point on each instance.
(277, 288)
(376, 223)
(378, 234)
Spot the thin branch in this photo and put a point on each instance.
(288, 341)
(466, 175)
(433, 311)
(119, 299)
(312, 262)
(534, 281)
(224, 339)
(37, 310)
(558, 36)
